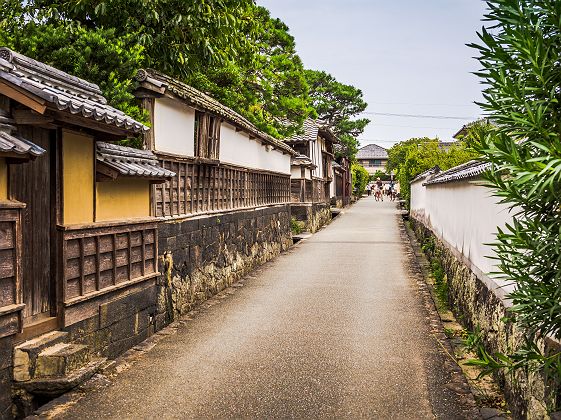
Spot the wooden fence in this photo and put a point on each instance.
(309, 191)
(203, 187)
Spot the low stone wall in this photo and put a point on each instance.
(121, 323)
(201, 256)
(476, 305)
(314, 216)
(6, 365)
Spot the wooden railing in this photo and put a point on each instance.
(206, 187)
(309, 191)
(101, 258)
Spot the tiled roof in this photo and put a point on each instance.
(372, 151)
(163, 83)
(302, 160)
(338, 167)
(62, 91)
(326, 133)
(17, 145)
(126, 161)
(471, 169)
(309, 133)
(429, 172)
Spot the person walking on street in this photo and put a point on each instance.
(379, 189)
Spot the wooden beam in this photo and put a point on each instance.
(23, 97)
(104, 172)
(30, 117)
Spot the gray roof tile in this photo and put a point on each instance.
(309, 132)
(471, 169)
(63, 91)
(18, 145)
(372, 151)
(131, 162)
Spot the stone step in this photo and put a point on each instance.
(61, 359)
(25, 354)
(58, 385)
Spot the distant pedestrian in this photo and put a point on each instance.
(379, 190)
(368, 189)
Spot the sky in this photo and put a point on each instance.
(407, 57)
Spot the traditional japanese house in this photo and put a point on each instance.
(227, 209)
(374, 158)
(311, 197)
(341, 187)
(78, 240)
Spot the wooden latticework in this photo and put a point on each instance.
(202, 188)
(97, 259)
(309, 191)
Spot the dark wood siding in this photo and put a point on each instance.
(31, 183)
(202, 188)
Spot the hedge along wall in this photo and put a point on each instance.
(459, 220)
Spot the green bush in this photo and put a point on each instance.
(360, 179)
(519, 53)
(296, 226)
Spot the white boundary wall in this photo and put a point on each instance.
(465, 216)
(174, 132)
(237, 148)
(174, 127)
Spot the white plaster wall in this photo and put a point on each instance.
(465, 215)
(174, 127)
(296, 172)
(418, 196)
(316, 157)
(332, 184)
(237, 148)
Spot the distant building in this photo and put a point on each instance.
(373, 157)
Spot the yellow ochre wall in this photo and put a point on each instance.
(122, 199)
(3, 179)
(77, 177)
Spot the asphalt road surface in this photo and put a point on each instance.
(334, 328)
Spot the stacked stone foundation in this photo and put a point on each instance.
(199, 257)
(476, 305)
(313, 215)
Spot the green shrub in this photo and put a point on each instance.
(296, 226)
(519, 53)
(360, 179)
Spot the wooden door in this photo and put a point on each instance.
(31, 183)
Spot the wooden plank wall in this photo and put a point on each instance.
(202, 188)
(98, 258)
(10, 254)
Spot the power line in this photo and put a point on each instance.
(378, 141)
(414, 126)
(436, 117)
(420, 104)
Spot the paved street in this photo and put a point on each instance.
(336, 327)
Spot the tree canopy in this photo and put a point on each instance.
(337, 106)
(233, 50)
(411, 157)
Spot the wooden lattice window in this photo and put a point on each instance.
(207, 135)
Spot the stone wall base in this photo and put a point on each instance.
(314, 216)
(120, 324)
(202, 256)
(476, 305)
